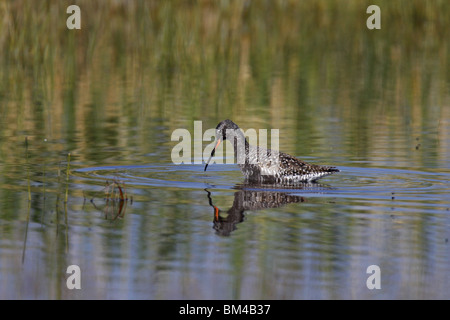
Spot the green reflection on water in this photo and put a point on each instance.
(279, 64)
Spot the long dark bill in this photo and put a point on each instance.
(212, 153)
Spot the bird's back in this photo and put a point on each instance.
(269, 166)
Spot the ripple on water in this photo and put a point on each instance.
(352, 182)
(161, 176)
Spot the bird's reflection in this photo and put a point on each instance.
(256, 197)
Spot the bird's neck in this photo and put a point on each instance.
(240, 144)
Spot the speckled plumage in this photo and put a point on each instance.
(264, 165)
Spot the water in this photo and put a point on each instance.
(166, 241)
(377, 106)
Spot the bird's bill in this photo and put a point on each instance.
(212, 153)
